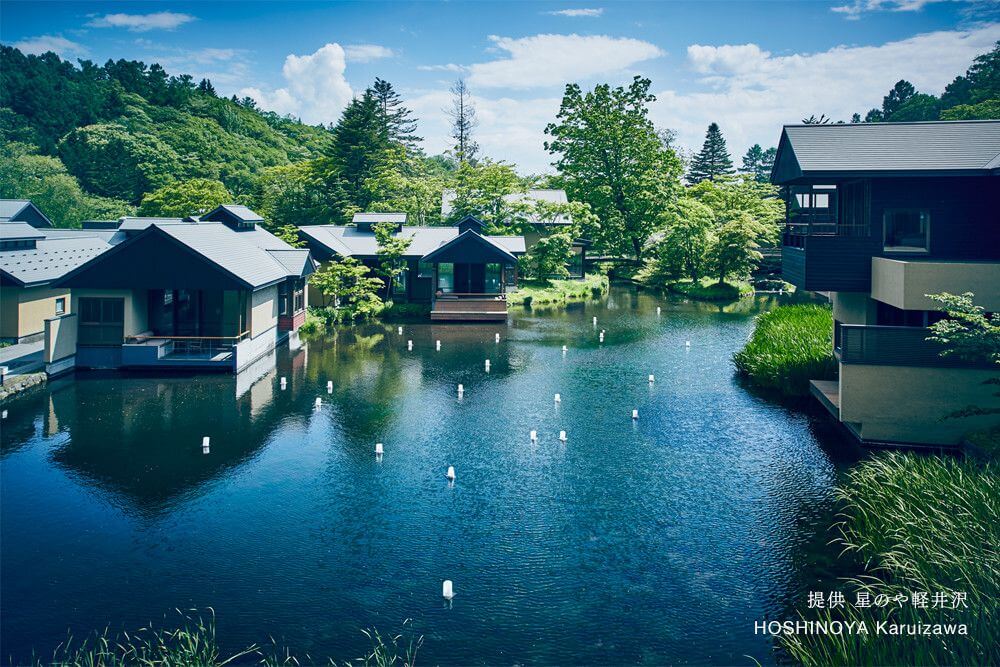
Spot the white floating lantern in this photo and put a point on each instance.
(319, 402)
(400, 331)
(657, 310)
(329, 386)
(409, 345)
(595, 320)
(652, 379)
(378, 449)
(284, 382)
(4, 415)
(497, 338)
(635, 414)
(437, 346)
(487, 365)
(558, 398)
(534, 436)
(687, 344)
(446, 589)
(461, 389)
(205, 444)
(601, 337)
(562, 436)
(565, 349)
(451, 473)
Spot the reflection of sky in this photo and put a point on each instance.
(661, 540)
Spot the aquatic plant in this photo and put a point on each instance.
(789, 346)
(915, 524)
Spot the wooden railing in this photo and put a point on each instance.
(896, 346)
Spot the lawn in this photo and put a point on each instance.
(709, 289)
(539, 293)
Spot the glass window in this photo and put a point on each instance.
(446, 277)
(283, 290)
(102, 321)
(425, 270)
(299, 295)
(907, 230)
(399, 285)
(61, 306)
(492, 284)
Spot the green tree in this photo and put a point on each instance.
(360, 147)
(988, 110)
(548, 257)
(713, 160)
(488, 190)
(408, 185)
(918, 107)
(757, 163)
(112, 161)
(294, 194)
(390, 251)
(610, 156)
(397, 121)
(183, 198)
(735, 249)
(742, 195)
(980, 83)
(970, 333)
(348, 286)
(899, 95)
(684, 249)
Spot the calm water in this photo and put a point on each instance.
(649, 542)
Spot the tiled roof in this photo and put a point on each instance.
(874, 147)
(296, 261)
(244, 213)
(11, 207)
(50, 259)
(348, 241)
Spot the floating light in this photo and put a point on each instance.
(534, 436)
(652, 379)
(635, 414)
(451, 473)
(562, 436)
(205, 444)
(378, 449)
(558, 398)
(447, 590)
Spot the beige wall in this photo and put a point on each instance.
(852, 308)
(24, 309)
(60, 337)
(263, 310)
(905, 404)
(136, 306)
(904, 284)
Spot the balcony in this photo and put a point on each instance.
(151, 351)
(821, 255)
(894, 346)
(905, 283)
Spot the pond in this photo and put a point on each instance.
(655, 540)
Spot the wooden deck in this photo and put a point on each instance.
(827, 392)
(483, 308)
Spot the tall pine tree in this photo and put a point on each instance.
(359, 148)
(757, 163)
(398, 121)
(463, 122)
(713, 160)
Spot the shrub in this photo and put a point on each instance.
(789, 346)
(707, 289)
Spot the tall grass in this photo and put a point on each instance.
(193, 644)
(916, 524)
(789, 346)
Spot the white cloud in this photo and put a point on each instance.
(855, 8)
(366, 53)
(450, 67)
(752, 93)
(59, 45)
(141, 22)
(546, 60)
(575, 13)
(315, 90)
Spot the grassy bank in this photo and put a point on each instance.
(789, 346)
(709, 289)
(193, 642)
(539, 293)
(915, 524)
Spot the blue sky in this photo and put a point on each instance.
(750, 66)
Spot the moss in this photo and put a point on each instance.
(708, 289)
(547, 292)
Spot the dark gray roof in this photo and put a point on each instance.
(19, 231)
(135, 224)
(11, 207)
(297, 261)
(243, 213)
(349, 241)
(942, 146)
(229, 250)
(49, 259)
(106, 235)
(375, 218)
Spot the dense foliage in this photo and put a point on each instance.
(713, 160)
(914, 524)
(789, 346)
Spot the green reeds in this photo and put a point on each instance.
(789, 346)
(915, 524)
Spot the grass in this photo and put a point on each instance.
(789, 346)
(709, 289)
(546, 292)
(915, 524)
(193, 643)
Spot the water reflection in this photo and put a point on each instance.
(658, 540)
